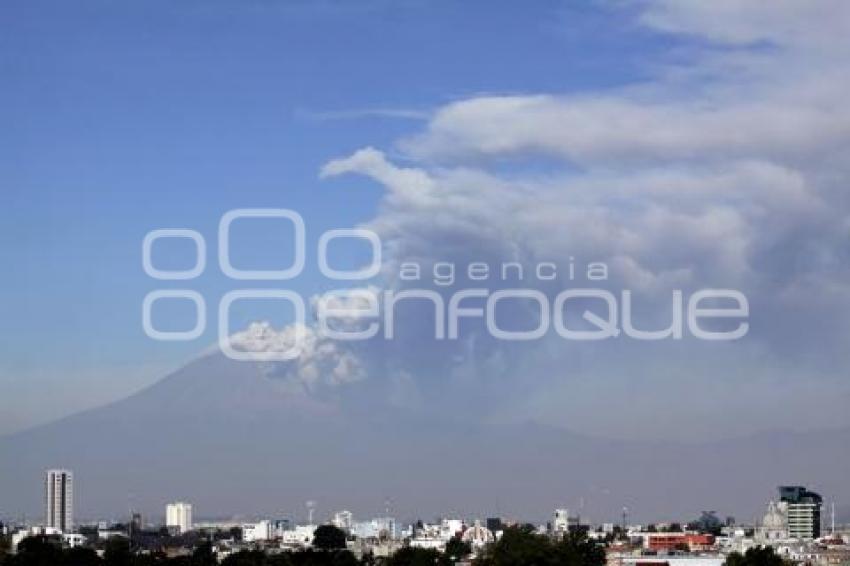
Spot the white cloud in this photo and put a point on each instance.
(596, 130)
(783, 22)
(406, 185)
(729, 173)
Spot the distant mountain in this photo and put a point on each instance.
(225, 436)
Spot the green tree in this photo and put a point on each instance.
(117, 552)
(757, 556)
(4, 548)
(37, 551)
(456, 550)
(204, 555)
(521, 546)
(329, 537)
(80, 557)
(312, 557)
(281, 559)
(344, 558)
(410, 556)
(153, 559)
(518, 546)
(575, 549)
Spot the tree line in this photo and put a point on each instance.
(518, 546)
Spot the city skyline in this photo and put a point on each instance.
(59, 514)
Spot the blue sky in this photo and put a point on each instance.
(124, 117)
(119, 118)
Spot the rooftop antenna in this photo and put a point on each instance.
(311, 506)
(130, 522)
(833, 519)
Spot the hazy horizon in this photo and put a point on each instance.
(658, 187)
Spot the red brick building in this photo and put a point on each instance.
(679, 541)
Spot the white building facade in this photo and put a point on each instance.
(179, 516)
(257, 532)
(59, 500)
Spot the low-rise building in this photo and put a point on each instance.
(691, 542)
(258, 532)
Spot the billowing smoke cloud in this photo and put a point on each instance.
(320, 363)
(727, 173)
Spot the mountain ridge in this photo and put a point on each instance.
(226, 436)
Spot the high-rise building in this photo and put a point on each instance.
(59, 500)
(803, 508)
(343, 520)
(136, 524)
(560, 521)
(179, 516)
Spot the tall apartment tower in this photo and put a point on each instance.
(59, 499)
(803, 511)
(179, 516)
(561, 521)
